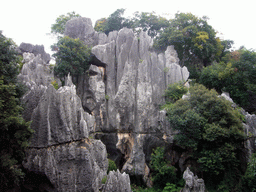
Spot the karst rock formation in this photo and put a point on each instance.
(112, 112)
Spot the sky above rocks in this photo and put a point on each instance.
(30, 21)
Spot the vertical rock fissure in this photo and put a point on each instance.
(116, 65)
(136, 123)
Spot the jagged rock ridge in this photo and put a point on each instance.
(60, 149)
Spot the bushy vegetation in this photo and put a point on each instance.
(111, 166)
(213, 132)
(73, 57)
(174, 92)
(235, 75)
(249, 178)
(14, 131)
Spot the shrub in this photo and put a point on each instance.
(175, 92)
(104, 179)
(72, 57)
(162, 171)
(249, 178)
(55, 84)
(111, 165)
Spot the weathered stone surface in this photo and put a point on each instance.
(82, 28)
(60, 149)
(36, 50)
(117, 182)
(35, 71)
(136, 78)
(193, 184)
(73, 166)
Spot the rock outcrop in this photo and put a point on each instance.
(192, 183)
(125, 92)
(36, 50)
(60, 148)
(117, 182)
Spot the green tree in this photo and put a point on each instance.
(114, 22)
(149, 22)
(194, 40)
(174, 92)
(212, 130)
(237, 76)
(14, 131)
(72, 57)
(162, 171)
(58, 28)
(249, 178)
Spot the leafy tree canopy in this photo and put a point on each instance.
(211, 129)
(72, 57)
(193, 38)
(237, 76)
(144, 21)
(115, 21)
(14, 131)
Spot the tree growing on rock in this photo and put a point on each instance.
(73, 57)
(194, 40)
(212, 130)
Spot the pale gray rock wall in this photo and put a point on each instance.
(60, 148)
(36, 50)
(136, 78)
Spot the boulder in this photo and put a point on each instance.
(82, 28)
(117, 182)
(193, 184)
(36, 50)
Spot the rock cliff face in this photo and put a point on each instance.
(60, 148)
(124, 91)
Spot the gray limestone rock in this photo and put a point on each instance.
(193, 184)
(59, 118)
(73, 166)
(82, 28)
(60, 148)
(35, 71)
(36, 50)
(117, 182)
(136, 78)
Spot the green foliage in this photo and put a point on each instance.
(55, 84)
(213, 132)
(14, 131)
(106, 97)
(175, 92)
(140, 189)
(104, 179)
(162, 171)
(170, 187)
(114, 22)
(249, 178)
(237, 77)
(194, 40)
(72, 57)
(111, 165)
(58, 28)
(149, 22)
